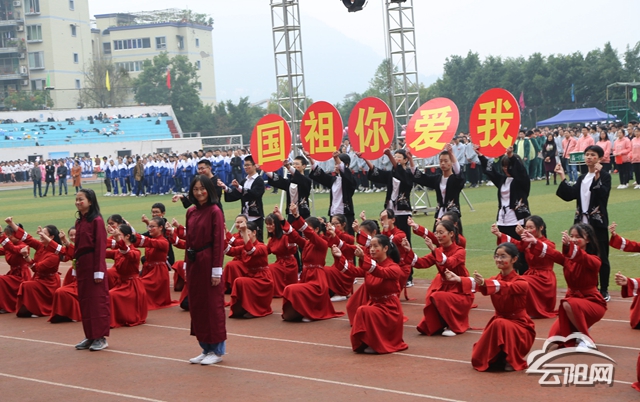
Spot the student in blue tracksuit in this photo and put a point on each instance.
(152, 177)
(163, 170)
(123, 172)
(115, 176)
(132, 184)
(148, 177)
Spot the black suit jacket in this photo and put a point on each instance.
(251, 197)
(597, 214)
(520, 186)
(404, 176)
(304, 189)
(348, 187)
(455, 184)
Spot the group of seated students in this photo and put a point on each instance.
(377, 251)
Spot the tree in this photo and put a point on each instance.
(151, 88)
(95, 93)
(283, 93)
(25, 100)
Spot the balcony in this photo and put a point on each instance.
(9, 18)
(5, 50)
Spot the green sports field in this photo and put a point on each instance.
(624, 208)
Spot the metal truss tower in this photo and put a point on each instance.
(401, 51)
(287, 48)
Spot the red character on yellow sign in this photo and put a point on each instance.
(271, 142)
(432, 127)
(321, 130)
(494, 122)
(371, 127)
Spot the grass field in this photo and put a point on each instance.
(624, 208)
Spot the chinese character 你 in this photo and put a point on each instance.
(370, 129)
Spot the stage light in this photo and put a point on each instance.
(354, 5)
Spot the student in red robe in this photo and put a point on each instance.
(18, 270)
(377, 325)
(446, 311)
(251, 294)
(541, 299)
(583, 305)
(128, 297)
(284, 271)
(509, 335)
(636, 385)
(91, 268)
(447, 216)
(629, 285)
(309, 299)
(177, 238)
(65, 300)
(155, 275)
(205, 253)
(234, 268)
(35, 297)
(113, 222)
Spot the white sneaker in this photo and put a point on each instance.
(305, 319)
(508, 367)
(198, 359)
(368, 191)
(3, 311)
(338, 298)
(211, 358)
(132, 195)
(619, 187)
(625, 186)
(370, 351)
(448, 332)
(409, 284)
(489, 183)
(107, 194)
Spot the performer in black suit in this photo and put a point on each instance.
(341, 184)
(591, 192)
(297, 185)
(250, 192)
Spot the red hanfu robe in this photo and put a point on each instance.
(112, 273)
(631, 290)
(339, 282)
(155, 275)
(310, 296)
(447, 303)
(65, 300)
(205, 224)
(37, 294)
(510, 330)
(379, 322)
(129, 303)
(95, 305)
(253, 292)
(234, 268)
(284, 271)
(581, 273)
(396, 236)
(636, 385)
(360, 297)
(541, 299)
(18, 272)
(179, 271)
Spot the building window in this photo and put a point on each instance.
(180, 42)
(78, 84)
(106, 47)
(200, 86)
(73, 30)
(37, 85)
(197, 42)
(72, 5)
(34, 33)
(161, 42)
(75, 58)
(142, 43)
(130, 66)
(198, 65)
(36, 60)
(32, 6)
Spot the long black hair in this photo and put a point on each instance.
(54, 233)
(277, 226)
(316, 224)
(127, 232)
(116, 218)
(450, 227)
(586, 232)
(160, 222)
(208, 185)
(538, 222)
(392, 251)
(508, 248)
(371, 225)
(94, 208)
(455, 218)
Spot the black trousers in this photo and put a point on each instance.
(107, 182)
(602, 234)
(260, 233)
(521, 265)
(401, 223)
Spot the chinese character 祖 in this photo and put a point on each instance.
(320, 136)
(370, 129)
(271, 142)
(430, 127)
(494, 115)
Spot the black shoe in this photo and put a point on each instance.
(605, 295)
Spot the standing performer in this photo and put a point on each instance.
(378, 325)
(93, 289)
(18, 270)
(541, 298)
(341, 186)
(76, 174)
(447, 306)
(583, 305)
(297, 186)
(512, 181)
(249, 191)
(205, 246)
(591, 192)
(509, 335)
(549, 153)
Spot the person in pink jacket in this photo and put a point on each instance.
(605, 144)
(622, 153)
(635, 156)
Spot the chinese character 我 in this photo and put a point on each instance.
(496, 116)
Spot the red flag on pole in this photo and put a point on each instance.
(168, 78)
(521, 101)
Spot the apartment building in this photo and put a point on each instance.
(50, 43)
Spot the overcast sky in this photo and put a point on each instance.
(342, 50)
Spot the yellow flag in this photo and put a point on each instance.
(108, 82)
